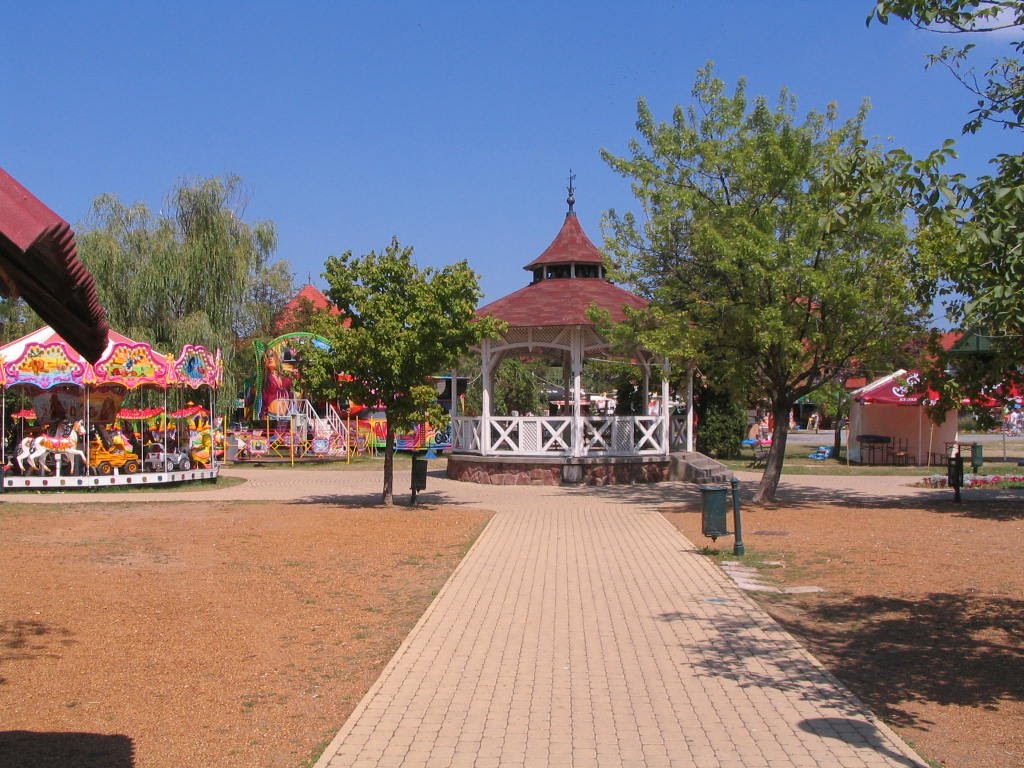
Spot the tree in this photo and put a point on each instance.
(983, 258)
(16, 319)
(406, 325)
(196, 273)
(751, 257)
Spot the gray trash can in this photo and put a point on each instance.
(712, 510)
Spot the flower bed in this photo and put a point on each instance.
(972, 481)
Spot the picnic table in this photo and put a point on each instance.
(873, 446)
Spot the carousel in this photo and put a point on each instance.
(74, 428)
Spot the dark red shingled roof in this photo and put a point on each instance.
(571, 245)
(561, 302)
(311, 296)
(39, 263)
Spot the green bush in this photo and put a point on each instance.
(721, 423)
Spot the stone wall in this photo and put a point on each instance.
(473, 469)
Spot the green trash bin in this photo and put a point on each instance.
(419, 475)
(712, 510)
(977, 457)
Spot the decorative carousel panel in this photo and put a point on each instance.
(132, 365)
(196, 366)
(45, 366)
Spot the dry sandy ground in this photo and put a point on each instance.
(197, 634)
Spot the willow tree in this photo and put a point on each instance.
(194, 273)
(748, 255)
(404, 324)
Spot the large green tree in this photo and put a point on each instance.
(196, 273)
(748, 249)
(406, 324)
(980, 253)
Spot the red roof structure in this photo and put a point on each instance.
(562, 302)
(308, 298)
(568, 278)
(39, 263)
(570, 246)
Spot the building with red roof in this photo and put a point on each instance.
(309, 299)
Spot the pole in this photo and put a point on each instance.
(737, 547)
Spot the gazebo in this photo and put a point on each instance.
(550, 314)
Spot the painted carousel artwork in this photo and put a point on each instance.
(82, 436)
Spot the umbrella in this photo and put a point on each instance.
(188, 412)
(139, 413)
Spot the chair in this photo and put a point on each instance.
(899, 451)
(760, 453)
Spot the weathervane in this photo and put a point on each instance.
(571, 200)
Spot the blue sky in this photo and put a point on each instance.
(452, 125)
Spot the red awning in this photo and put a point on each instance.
(903, 388)
(39, 263)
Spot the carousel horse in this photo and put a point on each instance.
(35, 448)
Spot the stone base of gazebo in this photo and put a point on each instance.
(560, 470)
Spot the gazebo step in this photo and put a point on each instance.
(693, 467)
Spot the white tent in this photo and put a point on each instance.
(893, 407)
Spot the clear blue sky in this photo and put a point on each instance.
(452, 125)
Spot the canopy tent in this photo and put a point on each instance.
(895, 407)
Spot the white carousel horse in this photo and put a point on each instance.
(35, 448)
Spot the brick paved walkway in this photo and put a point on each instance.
(583, 630)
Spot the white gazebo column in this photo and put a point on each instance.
(485, 405)
(577, 391)
(453, 406)
(645, 410)
(666, 412)
(689, 406)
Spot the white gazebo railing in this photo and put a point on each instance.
(553, 436)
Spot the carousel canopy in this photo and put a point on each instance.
(44, 360)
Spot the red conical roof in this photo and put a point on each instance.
(560, 301)
(311, 296)
(570, 246)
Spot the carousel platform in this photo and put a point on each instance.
(84, 482)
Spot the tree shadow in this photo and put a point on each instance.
(755, 652)
(944, 648)
(858, 733)
(987, 504)
(32, 749)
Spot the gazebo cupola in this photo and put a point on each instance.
(551, 314)
(571, 254)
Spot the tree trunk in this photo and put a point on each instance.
(773, 464)
(388, 497)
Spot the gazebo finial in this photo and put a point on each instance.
(571, 200)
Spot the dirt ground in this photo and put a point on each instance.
(202, 634)
(922, 614)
